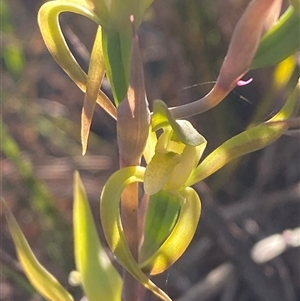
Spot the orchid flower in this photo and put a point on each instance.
(172, 147)
(172, 168)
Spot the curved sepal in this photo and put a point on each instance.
(248, 141)
(112, 226)
(182, 129)
(53, 37)
(281, 41)
(45, 283)
(181, 235)
(99, 278)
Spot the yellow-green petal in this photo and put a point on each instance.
(181, 172)
(112, 226)
(149, 150)
(159, 171)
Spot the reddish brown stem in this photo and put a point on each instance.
(129, 213)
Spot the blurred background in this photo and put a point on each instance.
(183, 43)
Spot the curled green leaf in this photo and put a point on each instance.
(99, 278)
(45, 283)
(112, 226)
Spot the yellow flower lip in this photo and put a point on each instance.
(177, 152)
(172, 163)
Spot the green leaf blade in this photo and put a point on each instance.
(100, 280)
(117, 52)
(281, 41)
(45, 283)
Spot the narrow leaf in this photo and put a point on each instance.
(95, 76)
(281, 41)
(38, 276)
(112, 226)
(99, 278)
